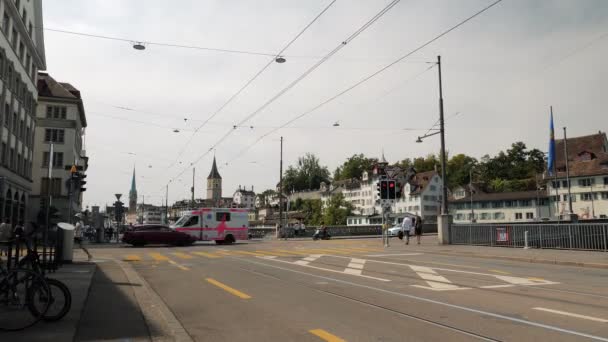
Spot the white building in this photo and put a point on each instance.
(243, 198)
(21, 56)
(588, 164)
(521, 206)
(150, 214)
(61, 121)
(421, 194)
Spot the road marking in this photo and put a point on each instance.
(496, 286)
(308, 259)
(355, 266)
(595, 319)
(228, 289)
(248, 253)
(291, 252)
(388, 255)
(499, 271)
(325, 269)
(272, 253)
(132, 257)
(434, 280)
(207, 255)
(183, 268)
(524, 281)
(158, 257)
(325, 336)
(183, 255)
(437, 302)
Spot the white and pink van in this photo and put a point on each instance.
(222, 225)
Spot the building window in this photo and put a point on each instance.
(19, 164)
(542, 201)
(57, 159)
(518, 216)
(433, 188)
(17, 4)
(510, 204)
(529, 216)
(586, 182)
(14, 39)
(459, 217)
(555, 184)
(6, 23)
(525, 203)
(497, 204)
(588, 196)
(485, 216)
(30, 27)
(604, 195)
(4, 153)
(605, 180)
(21, 129)
(56, 112)
(573, 197)
(24, 16)
(21, 51)
(564, 183)
(54, 135)
(499, 216)
(14, 123)
(11, 159)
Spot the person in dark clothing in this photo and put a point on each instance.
(418, 229)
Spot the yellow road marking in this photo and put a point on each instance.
(272, 253)
(290, 252)
(249, 253)
(325, 336)
(207, 255)
(224, 252)
(183, 268)
(499, 271)
(228, 288)
(158, 257)
(536, 279)
(183, 255)
(132, 257)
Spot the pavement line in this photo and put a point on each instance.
(228, 289)
(292, 252)
(183, 255)
(207, 255)
(272, 253)
(434, 280)
(388, 255)
(496, 286)
(437, 302)
(248, 253)
(183, 268)
(325, 336)
(158, 257)
(132, 257)
(595, 319)
(325, 269)
(499, 271)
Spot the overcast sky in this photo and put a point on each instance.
(501, 72)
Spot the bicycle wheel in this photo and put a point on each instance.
(22, 303)
(59, 301)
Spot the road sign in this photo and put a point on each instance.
(73, 169)
(118, 196)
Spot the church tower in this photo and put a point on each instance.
(133, 196)
(214, 184)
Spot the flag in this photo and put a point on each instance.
(551, 154)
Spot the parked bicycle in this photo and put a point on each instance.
(24, 298)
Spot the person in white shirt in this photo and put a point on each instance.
(406, 228)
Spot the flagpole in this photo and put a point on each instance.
(555, 171)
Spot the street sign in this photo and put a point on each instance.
(118, 196)
(73, 169)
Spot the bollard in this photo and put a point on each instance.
(526, 240)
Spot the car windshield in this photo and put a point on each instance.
(182, 221)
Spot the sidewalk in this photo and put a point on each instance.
(546, 256)
(77, 276)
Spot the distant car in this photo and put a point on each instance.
(156, 234)
(394, 231)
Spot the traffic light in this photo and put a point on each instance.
(398, 190)
(80, 181)
(119, 211)
(391, 189)
(379, 189)
(384, 189)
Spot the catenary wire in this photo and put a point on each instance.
(300, 78)
(235, 95)
(376, 73)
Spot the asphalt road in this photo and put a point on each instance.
(356, 290)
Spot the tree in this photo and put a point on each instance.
(337, 210)
(426, 164)
(307, 175)
(354, 167)
(458, 170)
(313, 210)
(264, 197)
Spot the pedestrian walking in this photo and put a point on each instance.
(406, 227)
(418, 228)
(78, 233)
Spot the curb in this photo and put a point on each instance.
(523, 259)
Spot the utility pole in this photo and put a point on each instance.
(444, 207)
(167, 204)
(471, 194)
(143, 205)
(281, 191)
(567, 173)
(193, 172)
(555, 183)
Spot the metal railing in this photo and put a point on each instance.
(268, 232)
(583, 236)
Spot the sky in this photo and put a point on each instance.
(501, 73)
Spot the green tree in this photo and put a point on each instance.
(264, 197)
(354, 167)
(426, 164)
(313, 210)
(458, 170)
(307, 175)
(337, 211)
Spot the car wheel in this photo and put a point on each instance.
(219, 242)
(229, 240)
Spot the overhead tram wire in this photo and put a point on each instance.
(300, 78)
(376, 73)
(270, 62)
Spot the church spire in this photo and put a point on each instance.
(214, 174)
(133, 188)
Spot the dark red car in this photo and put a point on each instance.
(156, 234)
